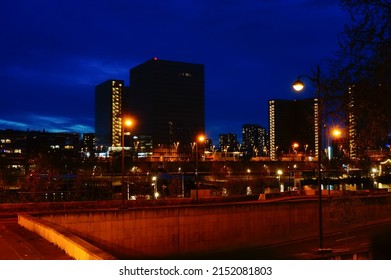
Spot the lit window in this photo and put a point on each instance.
(184, 74)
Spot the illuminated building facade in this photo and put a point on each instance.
(88, 143)
(21, 151)
(209, 145)
(228, 142)
(108, 110)
(254, 139)
(167, 99)
(293, 121)
(352, 125)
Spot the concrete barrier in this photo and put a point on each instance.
(172, 231)
(74, 246)
(176, 230)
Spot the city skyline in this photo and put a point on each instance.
(252, 52)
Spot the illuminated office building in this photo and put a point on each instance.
(293, 121)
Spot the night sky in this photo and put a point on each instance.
(54, 53)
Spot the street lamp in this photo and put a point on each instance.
(182, 181)
(200, 139)
(294, 147)
(298, 86)
(176, 145)
(279, 173)
(125, 122)
(336, 132)
(332, 133)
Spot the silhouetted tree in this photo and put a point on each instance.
(361, 72)
(345, 210)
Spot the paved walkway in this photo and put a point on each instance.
(18, 243)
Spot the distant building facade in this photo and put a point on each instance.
(22, 151)
(88, 144)
(228, 142)
(209, 145)
(293, 122)
(254, 140)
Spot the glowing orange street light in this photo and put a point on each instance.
(295, 145)
(128, 122)
(125, 122)
(200, 139)
(336, 132)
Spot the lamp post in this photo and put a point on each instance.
(332, 134)
(200, 138)
(176, 145)
(136, 144)
(295, 145)
(298, 86)
(279, 173)
(182, 182)
(335, 134)
(124, 122)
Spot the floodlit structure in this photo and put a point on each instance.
(108, 112)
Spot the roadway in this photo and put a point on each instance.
(18, 243)
(366, 241)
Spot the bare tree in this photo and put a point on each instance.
(361, 72)
(345, 210)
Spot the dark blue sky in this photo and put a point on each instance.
(53, 53)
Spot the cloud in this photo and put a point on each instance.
(7, 124)
(81, 128)
(50, 123)
(49, 119)
(62, 124)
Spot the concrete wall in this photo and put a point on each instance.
(74, 246)
(168, 231)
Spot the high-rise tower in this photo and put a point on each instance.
(293, 121)
(108, 110)
(167, 99)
